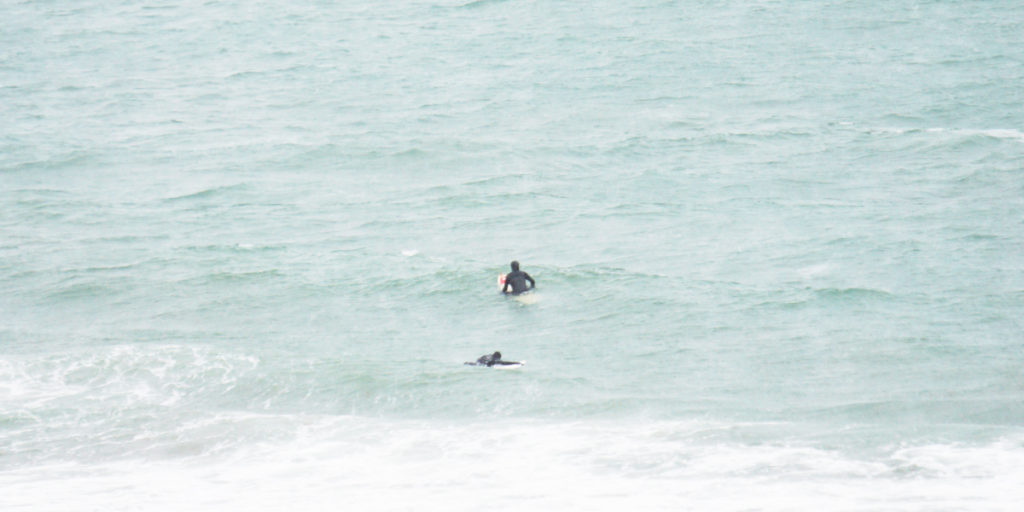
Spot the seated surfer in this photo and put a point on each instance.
(517, 280)
(491, 360)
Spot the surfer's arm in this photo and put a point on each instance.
(530, 279)
(504, 288)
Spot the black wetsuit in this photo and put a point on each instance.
(517, 280)
(491, 360)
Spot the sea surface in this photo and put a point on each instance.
(246, 247)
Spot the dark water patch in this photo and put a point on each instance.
(409, 154)
(648, 209)
(984, 177)
(458, 197)
(425, 282)
(68, 160)
(848, 241)
(781, 304)
(223, 277)
(234, 248)
(51, 206)
(128, 239)
(208, 193)
(972, 238)
(497, 181)
(794, 300)
(599, 273)
(853, 294)
(962, 140)
(108, 269)
(478, 4)
(88, 289)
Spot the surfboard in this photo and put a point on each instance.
(509, 366)
(517, 364)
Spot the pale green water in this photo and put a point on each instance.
(245, 249)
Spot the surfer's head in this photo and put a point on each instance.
(495, 356)
(515, 266)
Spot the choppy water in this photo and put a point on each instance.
(245, 248)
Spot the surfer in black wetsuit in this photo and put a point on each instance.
(491, 360)
(517, 280)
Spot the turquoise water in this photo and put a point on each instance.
(245, 248)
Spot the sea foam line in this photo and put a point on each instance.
(377, 464)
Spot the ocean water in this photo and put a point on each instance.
(245, 248)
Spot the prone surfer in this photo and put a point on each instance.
(491, 360)
(517, 280)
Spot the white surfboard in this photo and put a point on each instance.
(509, 366)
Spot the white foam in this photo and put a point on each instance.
(996, 133)
(815, 270)
(370, 464)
